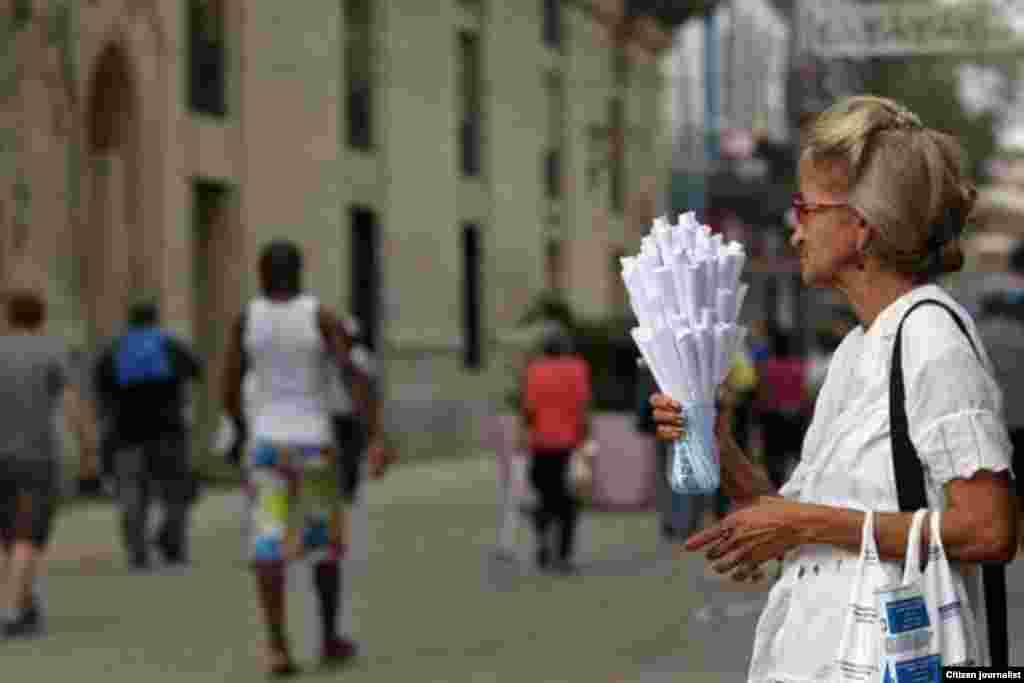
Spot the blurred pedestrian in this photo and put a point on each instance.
(34, 386)
(349, 427)
(291, 344)
(761, 340)
(781, 406)
(673, 520)
(556, 416)
(1002, 329)
(142, 379)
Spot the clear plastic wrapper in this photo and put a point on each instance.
(694, 468)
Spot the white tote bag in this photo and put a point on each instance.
(927, 620)
(950, 612)
(859, 656)
(910, 650)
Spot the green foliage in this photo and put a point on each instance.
(605, 344)
(21, 14)
(612, 355)
(550, 306)
(930, 86)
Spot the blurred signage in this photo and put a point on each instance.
(840, 28)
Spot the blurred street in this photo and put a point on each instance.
(431, 603)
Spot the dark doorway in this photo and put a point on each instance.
(212, 299)
(471, 297)
(365, 289)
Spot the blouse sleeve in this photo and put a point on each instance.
(953, 402)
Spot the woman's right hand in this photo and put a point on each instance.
(668, 418)
(671, 423)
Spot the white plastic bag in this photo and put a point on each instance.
(950, 612)
(910, 650)
(581, 470)
(859, 656)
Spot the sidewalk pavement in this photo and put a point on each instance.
(431, 602)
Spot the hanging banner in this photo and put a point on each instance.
(842, 29)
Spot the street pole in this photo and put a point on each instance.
(712, 91)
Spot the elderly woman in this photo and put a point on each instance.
(882, 204)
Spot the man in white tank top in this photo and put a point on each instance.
(289, 344)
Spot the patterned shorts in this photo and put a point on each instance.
(294, 502)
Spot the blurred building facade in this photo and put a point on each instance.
(733, 138)
(441, 161)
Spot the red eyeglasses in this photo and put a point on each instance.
(804, 208)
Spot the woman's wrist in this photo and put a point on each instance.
(742, 479)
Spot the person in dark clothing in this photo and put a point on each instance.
(674, 512)
(142, 378)
(349, 428)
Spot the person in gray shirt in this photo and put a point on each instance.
(34, 387)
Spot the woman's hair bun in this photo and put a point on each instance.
(951, 257)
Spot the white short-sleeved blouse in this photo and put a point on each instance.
(954, 410)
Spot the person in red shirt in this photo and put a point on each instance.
(783, 406)
(556, 413)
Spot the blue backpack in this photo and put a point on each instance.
(142, 356)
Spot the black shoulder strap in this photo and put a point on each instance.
(910, 488)
(907, 467)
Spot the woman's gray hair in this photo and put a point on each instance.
(906, 180)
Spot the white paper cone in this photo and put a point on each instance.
(726, 308)
(694, 285)
(663, 236)
(686, 344)
(688, 226)
(638, 298)
(723, 341)
(679, 280)
(642, 338)
(704, 239)
(711, 273)
(707, 317)
(664, 345)
(716, 245)
(704, 361)
(667, 284)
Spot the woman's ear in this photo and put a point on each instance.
(863, 241)
(864, 235)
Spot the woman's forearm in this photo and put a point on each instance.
(742, 480)
(841, 527)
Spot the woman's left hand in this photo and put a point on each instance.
(765, 530)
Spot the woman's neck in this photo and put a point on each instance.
(872, 290)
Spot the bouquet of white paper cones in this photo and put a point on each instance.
(684, 287)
